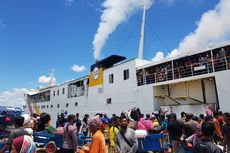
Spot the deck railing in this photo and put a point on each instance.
(183, 71)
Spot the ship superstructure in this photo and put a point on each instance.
(189, 83)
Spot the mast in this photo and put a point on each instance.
(52, 79)
(141, 45)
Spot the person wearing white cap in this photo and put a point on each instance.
(28, 124)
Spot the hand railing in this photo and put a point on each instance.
(183, 70)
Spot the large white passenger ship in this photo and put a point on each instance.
(188, 83)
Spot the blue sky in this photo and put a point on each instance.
(37, 36)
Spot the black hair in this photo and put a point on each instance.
(208, 118)
(35, 115)
(215, 113)
(123, 116)
(70, 117)
(201, 116)
(182, 114)
(208, 129)
(173, 116)
(189, 115)
(227, 114)
(116, 118)
(147, 115)
(195, 118)
(18, 121)
(142, 115)
(99, 114)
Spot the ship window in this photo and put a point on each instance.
(51, 106)
(111, 78)
(126, 74)
(58, 92)
(47, 106)
(76, 104)
(53, 93)
(67, 105)
(108, 100)
(63, 91)
(43, 106)
(57, 105)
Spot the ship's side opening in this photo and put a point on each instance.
(188, 96)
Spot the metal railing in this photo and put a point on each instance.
(183, 71)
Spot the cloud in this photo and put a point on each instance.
(159, 56)
(13, 97)
(212, 29)
(77, 68)
(173, 53)
(115, 12)
(45, 79)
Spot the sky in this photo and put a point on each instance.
(67, 36)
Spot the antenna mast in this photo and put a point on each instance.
(141, 45)
(52, 79)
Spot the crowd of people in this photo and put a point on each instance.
(201, 63)
(203, 133)
(206, 133)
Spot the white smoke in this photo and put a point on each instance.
(115, 12)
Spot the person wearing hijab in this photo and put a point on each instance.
(98, 141)
(23, 144)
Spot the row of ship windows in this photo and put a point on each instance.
(54, 92)
(51, 106)
(108, 101)
(111, 80)
(125, 76)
